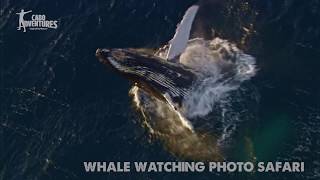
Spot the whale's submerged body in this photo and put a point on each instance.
(183, 80)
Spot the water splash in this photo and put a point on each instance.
(222, 68)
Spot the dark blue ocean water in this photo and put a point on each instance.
(60, 107)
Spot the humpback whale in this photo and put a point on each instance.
(162, 77)
(182, 81)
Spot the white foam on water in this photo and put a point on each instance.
(222, 67)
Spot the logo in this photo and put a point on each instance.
(37, 22)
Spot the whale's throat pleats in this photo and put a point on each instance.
(162, 78)
(168, 81)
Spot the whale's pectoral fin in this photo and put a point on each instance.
(180, 39)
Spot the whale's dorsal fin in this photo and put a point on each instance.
(180, 39)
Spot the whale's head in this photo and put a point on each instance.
(153, 74)
(127, 61)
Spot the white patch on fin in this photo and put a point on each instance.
(180, 39)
